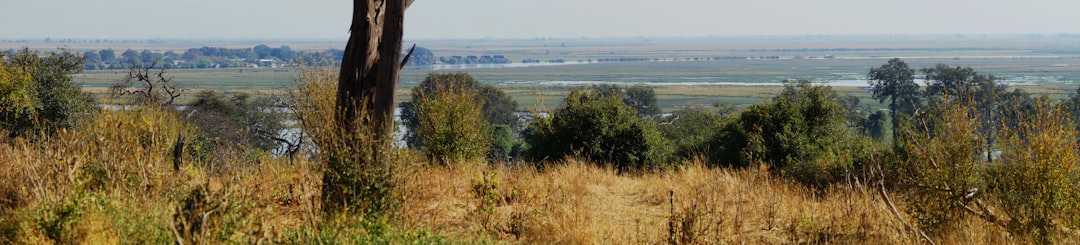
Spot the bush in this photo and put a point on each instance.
(451, 127)
(689, 129)
(37, 93)
(939, 164)
(803, 135)
(1036, 180)
(641, 98)
(599, 128)
(504, 144)
(238, 120)
(497, 107)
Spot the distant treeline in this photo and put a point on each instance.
(872, 49)
(204, 57)
(219, 57)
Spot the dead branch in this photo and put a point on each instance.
(155, 87)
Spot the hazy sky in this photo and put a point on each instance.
(118, 19)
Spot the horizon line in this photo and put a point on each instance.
(319, 39)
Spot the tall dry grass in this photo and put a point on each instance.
(112, 181)
(570, 202)
(578, 203)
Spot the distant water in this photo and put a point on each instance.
(440, 67)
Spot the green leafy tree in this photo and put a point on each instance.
(964, 84)
(504, 144)
(16, 104)
(955, 82)
(802, 134)
(40, 95)
(599, 128)
(131, 58)
(895, 81)
(641, 98)
(108, 56)
(238, 119)
(452, 127)
(92, 60)
(939, 167)
(1036, 181)
(875, 125)
(497, 107)
(690, 128)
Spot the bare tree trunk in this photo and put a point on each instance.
(370, 67)
(358, 172)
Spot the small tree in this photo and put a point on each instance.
(939, 165)
(690, 128)
(599, 128)
(37, 93)
(803, 134)
(238, 119)
(641, 98)
(148, 85)
(1036, 182)
(452, 128)
(895, 81)
(496, 106)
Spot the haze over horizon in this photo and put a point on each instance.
(464, 19)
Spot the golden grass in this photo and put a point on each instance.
(266, 199)
(579, 203)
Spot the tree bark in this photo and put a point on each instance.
(370, 68)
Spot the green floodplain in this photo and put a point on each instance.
(703, 71)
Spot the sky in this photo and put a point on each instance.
(466, 19)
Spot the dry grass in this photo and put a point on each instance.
(578, 203)
(111, 181)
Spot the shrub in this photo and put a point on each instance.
(803, 134)
(238, 120)
(497, 107)
(641, 98)
(1036, 180)
(689, 129)
(939, 164)
(452, 127)
(504, 145)
(37, 93)
(599, 128)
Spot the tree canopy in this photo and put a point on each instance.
(37, 92)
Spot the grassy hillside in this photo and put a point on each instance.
(113, 182)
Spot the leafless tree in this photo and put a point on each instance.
(149, 85)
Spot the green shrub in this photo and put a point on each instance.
(237, 120)
(939, 165)
(452, 127)
(803, 135)
(599, 128)
(1036, 180)
(504, 146)
(497, 107)
(689, 129)
(641, 98)
(37, 93)
(60, 222)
